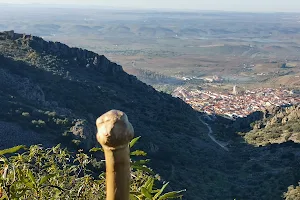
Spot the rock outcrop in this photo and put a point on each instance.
(86, 58)
(284, 115)
(279, 125)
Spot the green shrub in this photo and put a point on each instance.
(38, 123)
(288, 135)
(291, 130)
(25, 114)
(50, 114)
(41, 122)
(76, 142)
(55, 173)
(274, 135)
(296, 127)
(62, 121)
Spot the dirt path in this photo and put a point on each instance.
(212, 137)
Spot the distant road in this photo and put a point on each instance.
(212, 137)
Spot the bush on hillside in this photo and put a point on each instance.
(55, 173)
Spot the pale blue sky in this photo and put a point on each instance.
(226, 5)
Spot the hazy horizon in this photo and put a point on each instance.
(212, 5)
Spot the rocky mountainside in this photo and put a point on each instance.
(51, 93)
(80, 85)
(283, 115)
(278, 125)
(57, 92)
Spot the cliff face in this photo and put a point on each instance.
(82, 57)
(284, 115)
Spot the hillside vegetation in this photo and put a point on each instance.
(51, 93)
(282, 125)
(56, 173)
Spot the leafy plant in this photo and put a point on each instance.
(56, 173)
(147, 192)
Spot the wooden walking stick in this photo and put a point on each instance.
(114, 132)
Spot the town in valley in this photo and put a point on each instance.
(237, 103)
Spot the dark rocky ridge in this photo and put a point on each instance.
(84, 57)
